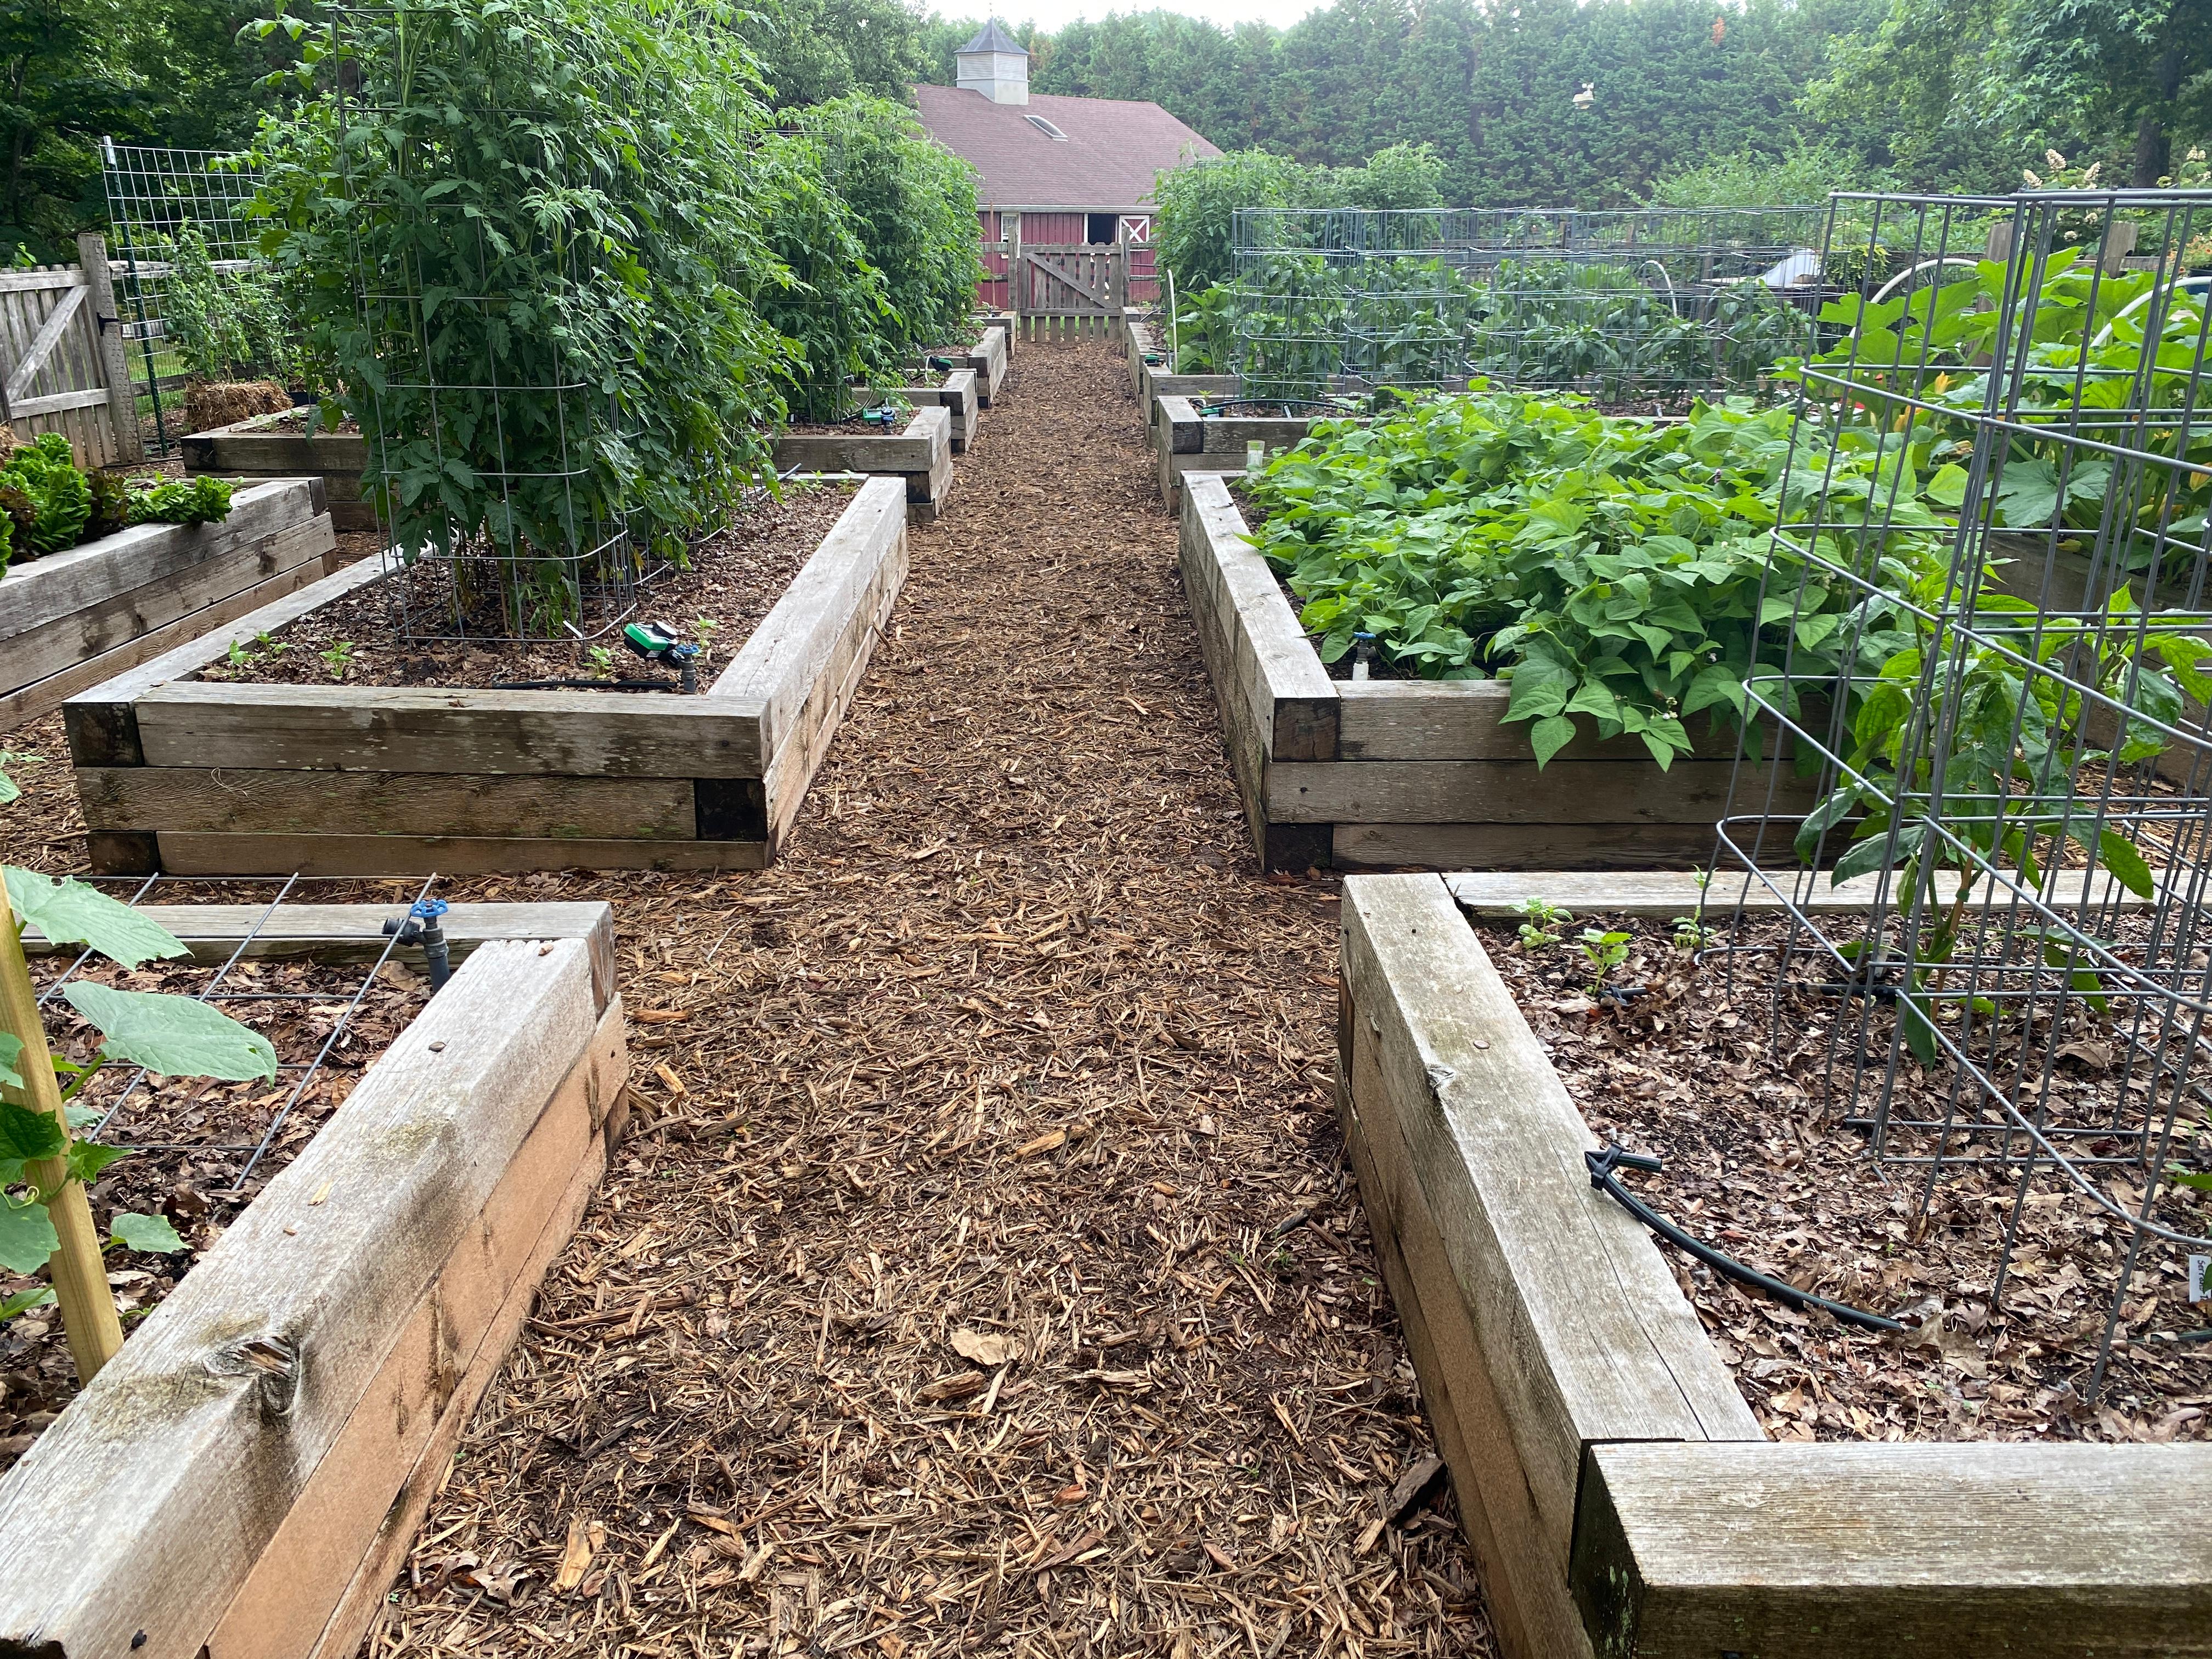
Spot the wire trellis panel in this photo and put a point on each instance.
(154, 196)
(2017, 746)
(1621, 305)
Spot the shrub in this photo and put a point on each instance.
(1198, 203)
(833, 307)
(554, 207)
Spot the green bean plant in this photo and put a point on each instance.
(1611, 568)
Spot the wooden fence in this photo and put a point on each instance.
(62, 363)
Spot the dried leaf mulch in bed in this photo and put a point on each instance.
(197, 1134)
(1758, 1166)
(733, 578)
(990, 1281)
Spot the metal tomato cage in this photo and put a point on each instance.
(2014, 760)
(1622, 306)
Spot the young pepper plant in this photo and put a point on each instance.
(44, 1169)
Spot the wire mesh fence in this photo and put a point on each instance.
(1622, 307)
(124, 1098)
(162, 203)
(2016, 749)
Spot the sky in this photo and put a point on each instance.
(1050, 15)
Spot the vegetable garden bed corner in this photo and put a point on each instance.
(245, 1477)
(1381, 773)
(1616, 1489)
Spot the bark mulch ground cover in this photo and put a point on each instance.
(1758, 1165)
(731, 580)
(984, 1276)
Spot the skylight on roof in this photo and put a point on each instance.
(1045, 128)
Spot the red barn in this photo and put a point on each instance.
(1055, 172)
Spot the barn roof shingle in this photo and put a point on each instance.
(1112, 148)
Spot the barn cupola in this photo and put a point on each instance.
(995, 64)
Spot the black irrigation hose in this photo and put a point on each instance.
(1602, 1167)
(584, 686)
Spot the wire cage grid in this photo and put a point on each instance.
(2006, 750)
(154, 196)
(1620, 304)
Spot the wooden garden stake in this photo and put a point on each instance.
(79, 1272)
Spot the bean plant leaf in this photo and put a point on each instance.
(28, 1239)
(68, 912)
(152, 1233)
(174, 1035)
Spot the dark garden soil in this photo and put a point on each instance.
(988, 1274)
(199, 1167)
(733, 578)
(1758, 1166)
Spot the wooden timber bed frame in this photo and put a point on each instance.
(1617, 1490)
(1362, 773)
(197, 777)
(245, 1478)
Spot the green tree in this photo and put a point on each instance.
(58, 91)
(813, 50)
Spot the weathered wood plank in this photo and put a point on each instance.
(915, 447)
(103, 625)
(241, 448)
(1841, 1551)
(346, 932)
(245, 800)
(172, 1471)
(957, 396)
(1293, 702)
(1529, 1611)
(188, 853)
(1564, 793)
(1582, 1331)
(62, 584)
(42, 696)
(1521, 845)
(1465, 719)
(299, 1594)
(580, 734)
(1661, 895)
(776, 669)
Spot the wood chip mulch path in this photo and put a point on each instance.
(987, 1278)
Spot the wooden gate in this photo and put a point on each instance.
(61, 358)
(1067, 293)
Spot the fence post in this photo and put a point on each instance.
(124, 443)
(1010, 229)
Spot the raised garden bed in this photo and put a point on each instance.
(955, 393)
(987, 355)
(280, 445)
(73, 619)
(1369, 773)
(1153, 376)
(247, 1473)
(919, 454)
(1614, 1483)
(195, 776)
(1186, 439)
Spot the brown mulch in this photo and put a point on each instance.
(198, 1138)
(732, 579)
(987, 1274)
(1758, 1166)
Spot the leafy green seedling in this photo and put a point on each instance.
(10, 789)
(1543, 924)
(1692, 934)
(703, 629)
(338, 659)
(602, 659)
(1604, 951)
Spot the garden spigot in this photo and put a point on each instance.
(420, 927)
(1363, 654)
(656, 643)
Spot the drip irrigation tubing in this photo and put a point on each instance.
(1602, 1167)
